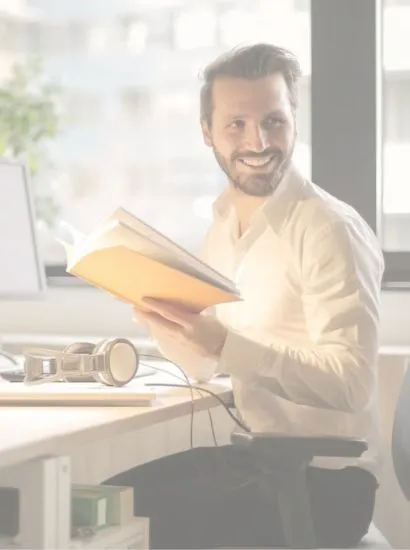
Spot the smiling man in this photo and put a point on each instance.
(301, 347)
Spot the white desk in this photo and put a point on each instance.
(43, 449)
(101, 442)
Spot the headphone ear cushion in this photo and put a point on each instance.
(80, 347)
(100, 347)
(122, 360)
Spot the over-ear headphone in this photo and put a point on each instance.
(113, 362)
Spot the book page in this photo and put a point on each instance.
(185, 258)
(123, 228)
(131, 277)
(120, 234)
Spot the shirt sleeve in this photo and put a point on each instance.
(195, 366)
(341, 278)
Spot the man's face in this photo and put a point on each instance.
(252, 132)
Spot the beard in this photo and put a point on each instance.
(256, 178)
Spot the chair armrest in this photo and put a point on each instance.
(304, 447)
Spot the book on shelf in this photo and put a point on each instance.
(131, 260)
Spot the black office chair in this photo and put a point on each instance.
(288, 457)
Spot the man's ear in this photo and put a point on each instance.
(206, 132)
(295, 127)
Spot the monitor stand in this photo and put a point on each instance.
(8, 363)
(7, 355)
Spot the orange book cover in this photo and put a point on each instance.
(131, 260)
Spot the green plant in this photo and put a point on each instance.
(29, 120)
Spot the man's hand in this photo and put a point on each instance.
(202, 333)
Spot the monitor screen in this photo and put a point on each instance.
(21, 270)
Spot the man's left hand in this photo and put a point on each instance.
(204, 334)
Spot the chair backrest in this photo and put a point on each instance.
(401, 436)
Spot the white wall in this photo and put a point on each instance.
(89, 311)
(72, 310)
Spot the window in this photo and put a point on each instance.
(130, 105)
(396, 177)
(359, 108)
(399, 2)
(130, 100)
(195, 29)
(136, 37)
(301, 5)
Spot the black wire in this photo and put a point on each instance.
(217, 397)
(192, 397)
(199, 390)
(192, 386)
(211, 422)
(148, 365)
(158, 369)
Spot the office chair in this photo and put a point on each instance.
(288, 457)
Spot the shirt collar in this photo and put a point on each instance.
(223, 204)
(276, 210)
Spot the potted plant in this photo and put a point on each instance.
(29, 120)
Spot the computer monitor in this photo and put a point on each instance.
(22, 274)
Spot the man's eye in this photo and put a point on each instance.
(273, 121)
(237, 124)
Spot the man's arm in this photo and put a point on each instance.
(197, 366)
(342, 269)
(179, 351)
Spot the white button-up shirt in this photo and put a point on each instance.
(302, 344)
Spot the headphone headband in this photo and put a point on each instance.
(113, 362)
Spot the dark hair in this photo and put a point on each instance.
(250, 62)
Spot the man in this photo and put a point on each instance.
(301, 348)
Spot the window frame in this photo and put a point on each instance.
(346, 92)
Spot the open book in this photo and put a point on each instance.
(129, 259)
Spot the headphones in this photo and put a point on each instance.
(112, 362)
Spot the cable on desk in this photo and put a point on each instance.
(251, 478)
(194, 386)
(199, 390)
(216, 396)
(10, 357)
(158, 369)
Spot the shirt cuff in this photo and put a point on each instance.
(242, 357)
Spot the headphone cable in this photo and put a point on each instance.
(194, 386)
(191, 388)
